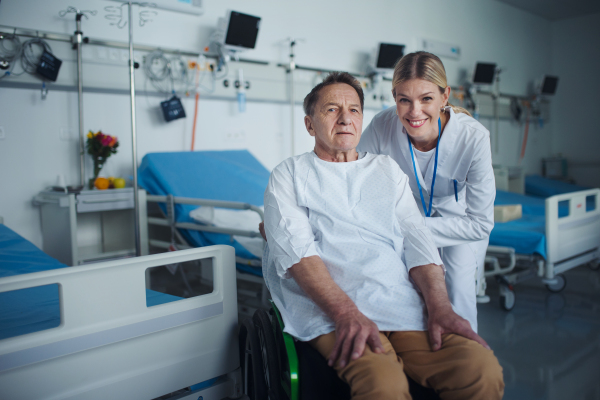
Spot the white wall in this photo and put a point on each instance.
(336, 34)
(575, 58)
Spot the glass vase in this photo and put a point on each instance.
(98, 164)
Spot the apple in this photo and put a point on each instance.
(119, 183)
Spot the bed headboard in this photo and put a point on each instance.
(110, 345)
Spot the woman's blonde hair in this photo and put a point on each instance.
(426, 66)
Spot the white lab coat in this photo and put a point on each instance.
(464, 155)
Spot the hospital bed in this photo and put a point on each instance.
(555, 234)
(95, 331)
(208, 198)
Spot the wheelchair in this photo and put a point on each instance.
(277, 367)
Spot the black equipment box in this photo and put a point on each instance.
(49, 66)
(172, 109)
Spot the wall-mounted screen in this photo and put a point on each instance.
(549, 84)
(242, 30)
(388, 55)
(484, 73)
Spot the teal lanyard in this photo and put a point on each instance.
(427, 210)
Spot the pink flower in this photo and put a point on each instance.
(106, 140)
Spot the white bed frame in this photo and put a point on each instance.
(248, 300)
(110, 345)
(570, 241)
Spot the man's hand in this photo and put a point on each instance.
(441, 322)
(441, 318)
(261, 229)
(353, 331)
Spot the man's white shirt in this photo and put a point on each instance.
(361, 219)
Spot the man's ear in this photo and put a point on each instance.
(309, 125)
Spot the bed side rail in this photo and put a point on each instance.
(204, 202)
(576, 234)
(109, 344)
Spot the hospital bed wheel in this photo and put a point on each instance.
(594, 265)
(270, 360)
(507, 300)
(561, 282)
(251, 362)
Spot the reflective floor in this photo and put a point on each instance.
(549, 344)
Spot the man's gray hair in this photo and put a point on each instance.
(334, 77)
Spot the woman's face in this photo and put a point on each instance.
(418, 104)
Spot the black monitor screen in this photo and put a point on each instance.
(389, 54)
(484, 73)
(549, 84)
(242, 30)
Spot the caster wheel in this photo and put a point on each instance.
(594, 265)
(270, 362)
(255, 387)
(560, 284)
(507, 300)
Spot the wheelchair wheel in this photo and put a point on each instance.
(251, 362)
(270, 361)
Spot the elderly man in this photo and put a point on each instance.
(354, 271)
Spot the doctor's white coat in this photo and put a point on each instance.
(464, 156)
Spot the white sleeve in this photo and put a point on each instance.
(419, 246)
(289, 234)
(480, 196)
(369, 140)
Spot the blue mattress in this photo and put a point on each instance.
(536, 185)
(526, 235)
(35, 309)
(216, 175)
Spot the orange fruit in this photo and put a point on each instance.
(101, 183)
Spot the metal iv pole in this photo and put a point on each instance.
(292, 67)
(138, 245)
(78, 41)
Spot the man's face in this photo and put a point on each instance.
(337, 119)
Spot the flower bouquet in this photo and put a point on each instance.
(100, 147)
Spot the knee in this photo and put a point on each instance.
(380, 384)
(483, 377)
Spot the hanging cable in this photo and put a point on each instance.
(9, 54)
(30, 58)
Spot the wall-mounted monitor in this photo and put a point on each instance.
(549, 84)
(240, 30)
(388, 55)
(484, 73)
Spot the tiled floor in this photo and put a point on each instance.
(549, 344)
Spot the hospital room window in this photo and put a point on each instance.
(29, 310)
(173, 282)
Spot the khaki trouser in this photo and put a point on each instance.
(461, 369)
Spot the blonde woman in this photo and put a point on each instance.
(447, 157)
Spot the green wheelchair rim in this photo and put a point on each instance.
(293, 390)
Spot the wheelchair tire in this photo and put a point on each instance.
(270, 361)
(251, 362)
